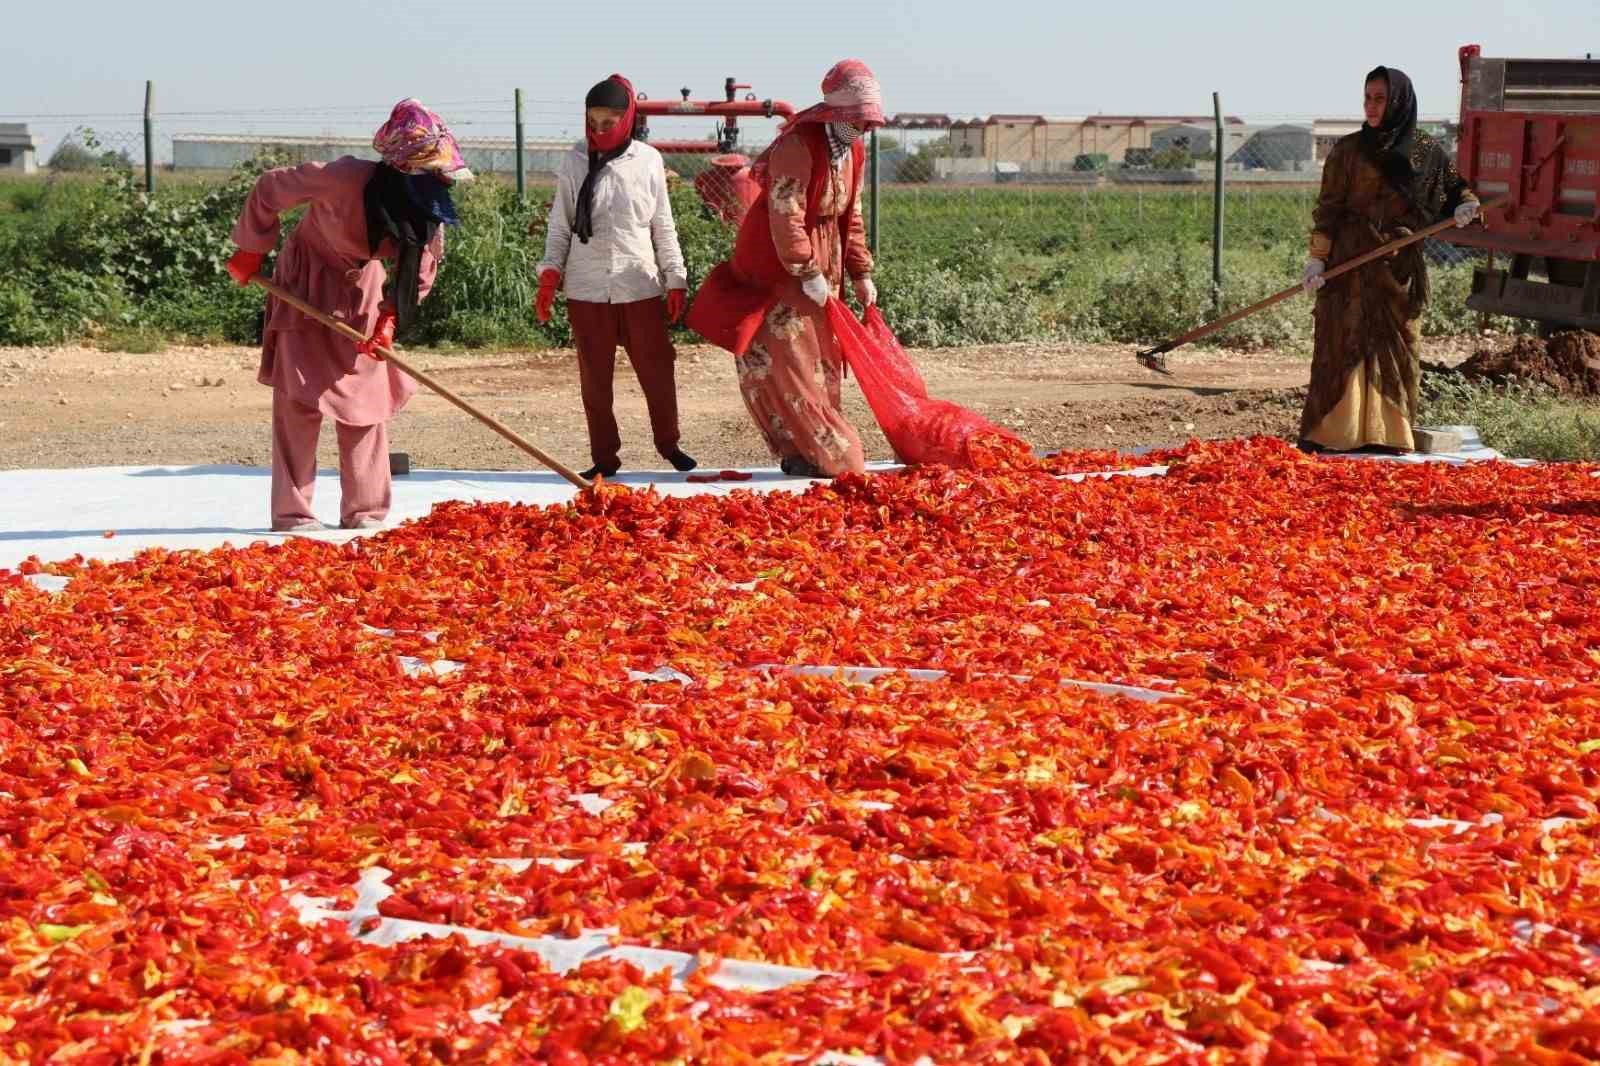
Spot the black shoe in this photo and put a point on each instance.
(799, 466)
(681, 461)
(589, 474)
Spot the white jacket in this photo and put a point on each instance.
(635, 243)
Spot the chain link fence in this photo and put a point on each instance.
(1112, 180)
(85, 149)
(1009, 227)
(1042, 184)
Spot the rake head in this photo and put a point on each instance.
(1154, 359)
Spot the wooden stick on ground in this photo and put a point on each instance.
(493, 423)
(1154, 358)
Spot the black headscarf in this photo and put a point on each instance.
(614, 93)
(409, 209)
(1392, 144)
(1411, 162)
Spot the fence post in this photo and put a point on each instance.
(522, 162)
(149, 138)
(1216, 214)
(872, 230)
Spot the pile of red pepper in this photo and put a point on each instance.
(1361, 824)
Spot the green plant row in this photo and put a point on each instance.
(91, 257)
(1524, 420)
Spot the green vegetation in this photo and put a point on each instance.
(1527, 421)
(91, 256)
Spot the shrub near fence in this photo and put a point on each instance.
(956, 264)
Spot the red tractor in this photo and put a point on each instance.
(724, 184)
(1530, 132)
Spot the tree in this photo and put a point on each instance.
(83, 151)
(72, 156)
(918, 167)
(1178, 157)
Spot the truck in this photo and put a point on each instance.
(1529, 144)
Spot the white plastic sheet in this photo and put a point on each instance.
(561, 954)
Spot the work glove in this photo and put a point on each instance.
(243, 265)
(545, 301)
(382, 334)
(816, 288)
(676, 298)
(1312, 279)
(1466, 213)
(866, 291)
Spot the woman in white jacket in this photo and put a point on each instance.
(612, 196)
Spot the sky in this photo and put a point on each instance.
(337, 65)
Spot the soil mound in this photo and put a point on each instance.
(1567, 362)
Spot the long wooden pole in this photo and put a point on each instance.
(1152, 357)
(493, 423)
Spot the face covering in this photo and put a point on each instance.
(841, 136)
(616, 93)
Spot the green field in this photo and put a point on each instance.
(91, 256)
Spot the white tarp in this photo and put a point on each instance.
(55, 514)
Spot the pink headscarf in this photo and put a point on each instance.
(415, 141)
(850, 95)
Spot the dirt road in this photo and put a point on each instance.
(64, 407)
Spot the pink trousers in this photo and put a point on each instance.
(363, 466)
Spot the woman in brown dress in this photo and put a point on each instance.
(1385, 181)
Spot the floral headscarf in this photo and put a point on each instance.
(416, 141)
(850, 96)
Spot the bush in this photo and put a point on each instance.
(72, 157)
(483, 295)
(1447, 313)
(968, 298)
(957, 265)
(915, 169)
(136, 340)
(1174, 158)
(1141, 297)
(1522, 421)
(55, 308)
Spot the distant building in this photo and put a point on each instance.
(919, 120)
(1326, 132)
(1062, 138)
(1284, 147)
(224, 151)
(19, 149)
(1196, 140)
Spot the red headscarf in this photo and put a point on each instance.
(850, 95)
(620, 134)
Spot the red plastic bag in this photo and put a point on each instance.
(919, 428)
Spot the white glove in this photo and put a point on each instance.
(816, 287)
(1466, 213)
(866, 291)
(1312, 279)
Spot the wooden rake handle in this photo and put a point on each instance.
(1343, 268)
(489, 420)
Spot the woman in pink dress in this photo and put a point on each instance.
(358, 214)
(797, 243)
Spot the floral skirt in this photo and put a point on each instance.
(790, 380)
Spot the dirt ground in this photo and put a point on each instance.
(65, 407)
